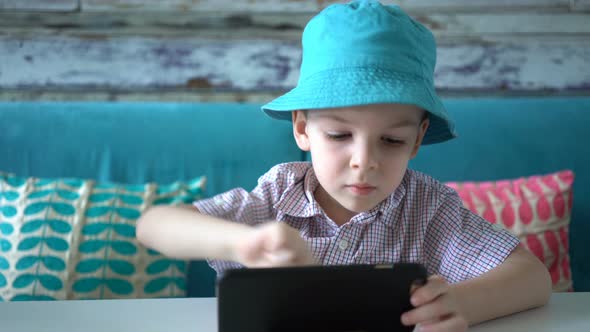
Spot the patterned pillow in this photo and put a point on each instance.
(537, 209)
(75, 239)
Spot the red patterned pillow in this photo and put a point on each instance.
(537, 209)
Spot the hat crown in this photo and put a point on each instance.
(364, 53)
(367, 33)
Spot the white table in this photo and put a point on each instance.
(565, 312)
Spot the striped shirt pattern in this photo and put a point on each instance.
(422, 221)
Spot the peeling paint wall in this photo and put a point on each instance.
(242, 50)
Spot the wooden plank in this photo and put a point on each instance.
(163, 95)
(581, 5)
(189, 24)
(526, 65)
(282, 26)
(507, 24)
(134, 63)
(314, 6)
(39, 5)
(136, 96)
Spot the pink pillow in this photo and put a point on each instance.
(537, 209)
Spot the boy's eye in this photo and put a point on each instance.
(337, 137)
(392, 141)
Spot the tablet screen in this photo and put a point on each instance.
(319, 298)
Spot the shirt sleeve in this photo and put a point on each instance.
(241, 206)
(461, 245)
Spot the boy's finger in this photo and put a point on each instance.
(281, 257)
(452, 323)
(256, 244)
(253, 249)
(435, 287)
(277, 238)
(428, 312)
(417, 284)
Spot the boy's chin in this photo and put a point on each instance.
(360, 207)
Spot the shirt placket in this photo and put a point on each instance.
(345, 245)
(342, 246)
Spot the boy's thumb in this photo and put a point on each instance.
(281, 257)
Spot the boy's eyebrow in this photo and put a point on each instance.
(403, 123)
(332, 117)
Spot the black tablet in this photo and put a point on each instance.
(341, 298)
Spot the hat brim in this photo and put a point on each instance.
(353, 86)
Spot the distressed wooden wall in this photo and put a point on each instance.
(236, 50)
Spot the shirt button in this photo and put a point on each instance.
(343, 245)
(219, 201)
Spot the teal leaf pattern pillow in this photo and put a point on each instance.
(75, 239)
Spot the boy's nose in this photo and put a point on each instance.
(363, 158)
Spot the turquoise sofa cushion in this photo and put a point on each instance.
(72, 239)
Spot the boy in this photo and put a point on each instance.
(364, 104)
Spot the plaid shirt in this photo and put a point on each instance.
(421, 221)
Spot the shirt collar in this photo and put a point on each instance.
(298, 199)
(386, 207)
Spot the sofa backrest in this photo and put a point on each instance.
(233, 144)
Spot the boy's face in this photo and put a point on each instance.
(359, 154)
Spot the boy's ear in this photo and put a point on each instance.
(300, 130)
(421, 132)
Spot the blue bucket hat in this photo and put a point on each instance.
(364, 53)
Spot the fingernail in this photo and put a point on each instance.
(414, 300)
(405, 319)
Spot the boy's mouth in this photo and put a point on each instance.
(361, 188)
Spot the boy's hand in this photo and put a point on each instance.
(436, 308)
(272, 245)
